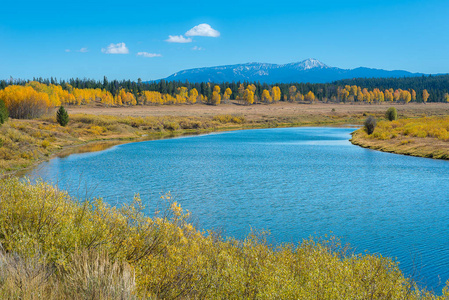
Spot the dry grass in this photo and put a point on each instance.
(261, 112)
(423, 137)
(90, 275)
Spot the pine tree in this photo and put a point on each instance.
(62, 116)
(4, 115)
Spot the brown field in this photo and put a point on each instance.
(262, 111)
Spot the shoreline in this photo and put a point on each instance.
(104, 144)
(394, 141)
(90, 128)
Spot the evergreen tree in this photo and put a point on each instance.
(62, 116)
(4, 115)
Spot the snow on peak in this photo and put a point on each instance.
(310, 63)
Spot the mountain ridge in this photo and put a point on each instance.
(310, 70)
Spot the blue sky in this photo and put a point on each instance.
(71, 39)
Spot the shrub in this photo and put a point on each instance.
(58, 248)
(229, 119)
(3, 112)
(370, 124)
(172, 126)
(62, 116)
(391, 114)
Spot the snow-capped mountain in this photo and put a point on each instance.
(310, 70)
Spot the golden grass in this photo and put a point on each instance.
(424, 137)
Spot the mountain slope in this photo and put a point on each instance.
(310, 70)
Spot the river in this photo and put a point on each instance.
(293, 182)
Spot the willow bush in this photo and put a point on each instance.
(92, 250)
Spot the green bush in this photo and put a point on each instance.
(4, 115)
(62, 116)
(391, 114)
(370, 124)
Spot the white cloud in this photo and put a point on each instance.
(119, 48)
(178, 39)
(203, 30)
(82, 50)
(196, 48)
(146, 54)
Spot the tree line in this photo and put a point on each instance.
(28, 99)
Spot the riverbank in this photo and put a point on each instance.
(26, 143)
(422, 137)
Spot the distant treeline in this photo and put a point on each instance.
(436, 86)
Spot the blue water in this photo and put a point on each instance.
(294, 182)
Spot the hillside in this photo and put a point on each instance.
(310, 70)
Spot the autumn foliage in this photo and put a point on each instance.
(32, 99)
(24, 102)
(64, 249)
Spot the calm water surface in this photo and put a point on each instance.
(294, 182)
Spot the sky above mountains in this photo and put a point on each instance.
(153, 39)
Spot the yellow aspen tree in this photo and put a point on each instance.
(193, 95)
(413, 95)
(216, 97)
(388, 96)
(404, 96)
(359, 95)
(397, 95)
(354, 90)
(107, 98)
(266, 97)
(381, 96)
(252, 87)
(227, 94)
(425, 95)
(345, 94)
(310, 96)
(408, 97)
(292, 93)
(366, 96)
(275, 93)
(372, 96)
(248, 96)
(299, 97)
(24, 102)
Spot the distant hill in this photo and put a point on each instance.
(310, 70)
